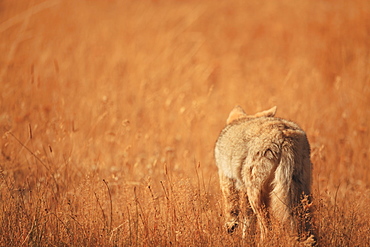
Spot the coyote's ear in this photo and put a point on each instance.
(268, 113)
(236, 113)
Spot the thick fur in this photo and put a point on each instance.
(265, 161)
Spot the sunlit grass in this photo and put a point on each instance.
(109, 112)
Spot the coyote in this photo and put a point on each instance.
(266, 160)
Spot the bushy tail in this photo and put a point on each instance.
(290, 184)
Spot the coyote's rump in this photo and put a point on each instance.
(266, 162)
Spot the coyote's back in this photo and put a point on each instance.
(267, 159)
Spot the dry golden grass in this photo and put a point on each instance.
(109, 111)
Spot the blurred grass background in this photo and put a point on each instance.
(109, 111)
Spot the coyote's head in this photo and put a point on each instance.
(238, 113)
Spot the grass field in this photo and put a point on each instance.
(109, 111)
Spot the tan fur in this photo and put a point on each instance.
(266, 162)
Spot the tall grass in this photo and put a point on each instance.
(109, 111)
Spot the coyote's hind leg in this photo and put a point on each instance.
(250, 220)
(231, 201)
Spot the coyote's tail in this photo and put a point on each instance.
(291, 182)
